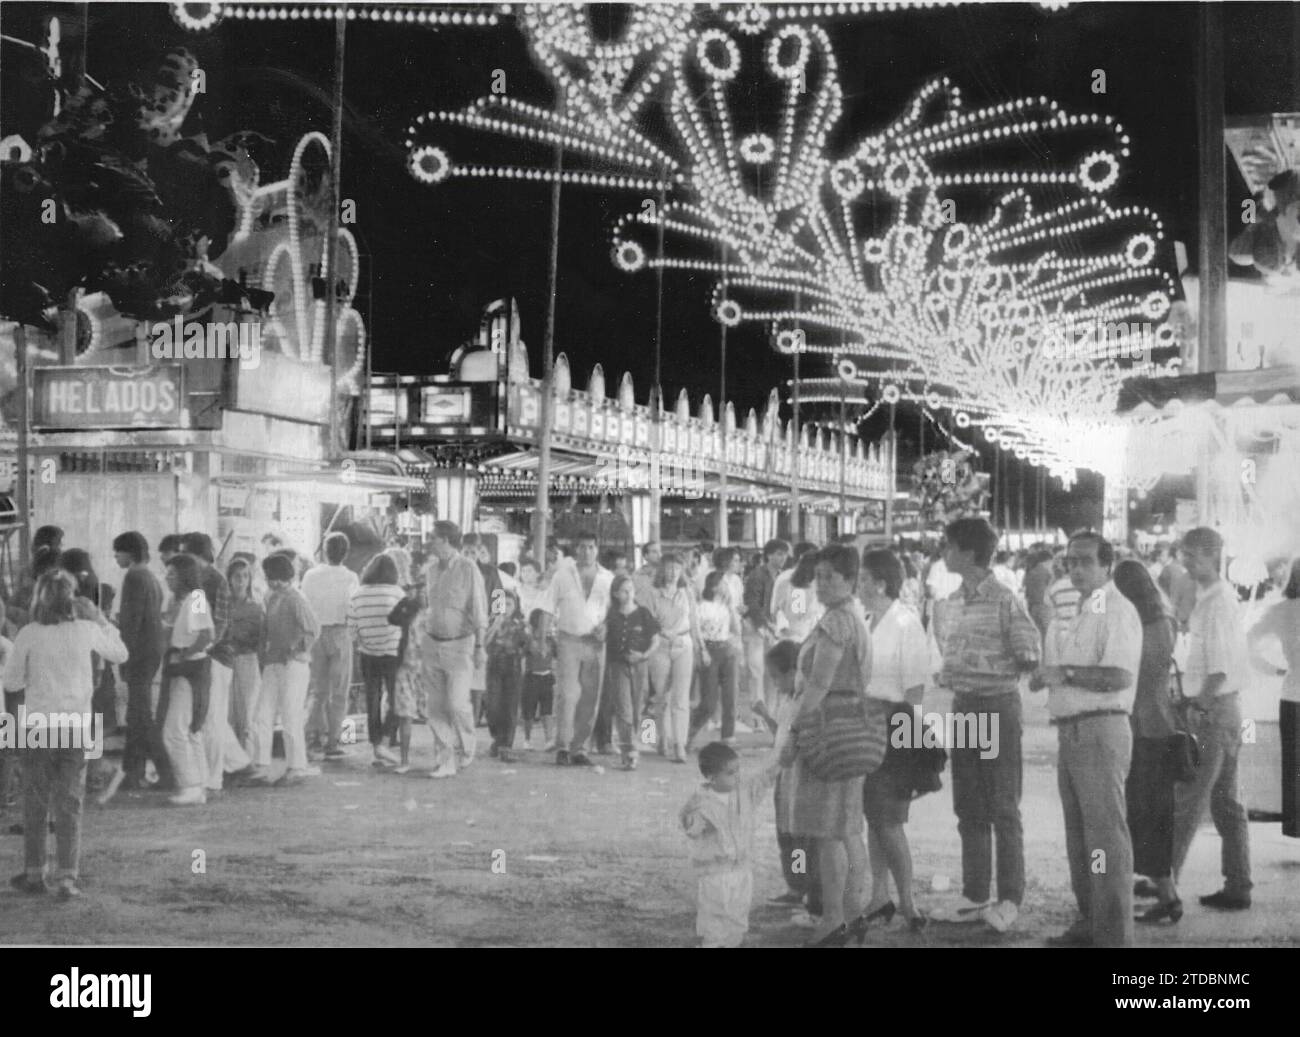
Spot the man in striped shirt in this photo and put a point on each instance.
(379, 641)
(988, 641)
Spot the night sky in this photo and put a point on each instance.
(434, 257)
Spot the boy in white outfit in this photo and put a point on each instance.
(719, 819)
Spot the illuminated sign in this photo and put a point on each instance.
(108, 397)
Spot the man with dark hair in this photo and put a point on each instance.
(171, 544)
(140, 624)
(759, 631)
(453, 642)
(581, 589)
(1216, 669)
(988, 641)
(643, 580)
(1091, 665)
(328, 589)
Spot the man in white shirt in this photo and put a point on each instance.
(1216, 666)
(1091, 664)
(940, 584)
(328, 589)
(580, 591)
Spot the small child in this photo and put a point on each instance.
(507, 640)
(539, 679)
(804, 882)
(719, 819)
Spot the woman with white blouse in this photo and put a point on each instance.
(720, 677)
(901, 665)
(51, 662)
(794, 602)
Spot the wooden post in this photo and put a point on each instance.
(20, 476)
(724, 522)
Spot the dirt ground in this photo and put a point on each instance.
(359, 857)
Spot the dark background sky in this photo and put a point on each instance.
(436, 256)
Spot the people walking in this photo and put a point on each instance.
(1212, 680)
(50, 663)
(631, 640)
(581, 593)
(760, 633)
(507, 639)
(719, 678)
(454, 643)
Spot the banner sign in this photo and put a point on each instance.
(108, 397)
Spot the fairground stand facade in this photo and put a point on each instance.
(475, 433)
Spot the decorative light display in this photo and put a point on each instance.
(297, 321)
(197, 17)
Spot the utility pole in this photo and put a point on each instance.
(542, 510)
(1212, 189)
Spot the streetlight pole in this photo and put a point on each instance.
(20, 476)
(844, 454)
(723, 519)
(542, 510)
(794, 451)
(656, 404)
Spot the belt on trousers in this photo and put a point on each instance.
(458, 637)
(1089, 715)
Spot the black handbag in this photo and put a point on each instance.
(1186, 750)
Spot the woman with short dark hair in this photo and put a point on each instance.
(242, 640)
(673, 663)
(834, 663)
(51, 663)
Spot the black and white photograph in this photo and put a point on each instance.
(650, 476)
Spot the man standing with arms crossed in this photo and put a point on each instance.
(581, 592)
(1091, 665)
(1216, 666)
(453, 643)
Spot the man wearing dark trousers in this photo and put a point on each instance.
(140, 625)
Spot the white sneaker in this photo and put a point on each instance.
(310, 771)
(1002, 915)
(402, 768)
(962, 912)
(743, 729)
(803, 920)
(191, 797)
(447, 770)
(383, 756)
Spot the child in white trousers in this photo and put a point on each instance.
(719, 820)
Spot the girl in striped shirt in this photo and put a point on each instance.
(379, 641)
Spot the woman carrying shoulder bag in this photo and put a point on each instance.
(834, 666)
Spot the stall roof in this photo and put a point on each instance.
(1270, 385)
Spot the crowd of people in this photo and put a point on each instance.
(610, 660)
(1143, 660)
